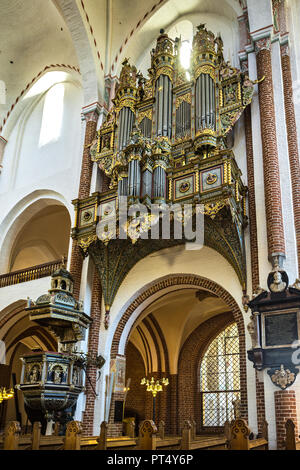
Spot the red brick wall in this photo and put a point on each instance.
(83, 192)
(275, 229)
(173, 404)
(76, 267)
(292, 141)
(189, 406)
(285, 408)
(135, 370)
(93, 341)
(251, 199)
(87, 164)
(260, 403)
(114, 429)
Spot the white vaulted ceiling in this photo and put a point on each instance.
(35, 34)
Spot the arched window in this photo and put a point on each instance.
(52, 115)
(183, 30)
(220, 378)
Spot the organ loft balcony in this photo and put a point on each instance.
(165, 141)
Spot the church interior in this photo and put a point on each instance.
(125, 127)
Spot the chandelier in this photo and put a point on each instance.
(6, 394)
(154, 386)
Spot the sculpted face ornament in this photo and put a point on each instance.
(277, 285)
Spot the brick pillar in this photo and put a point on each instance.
(115, 429)
(173, 412)
(260, 402)
(91, 116)
(76, 267)
(285, 408)
(292, 140)
(91, 119)
(251, 199)
(93, 341)
(275, 230)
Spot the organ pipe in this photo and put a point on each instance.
(126, 120)
(163, 106)
(205, 102)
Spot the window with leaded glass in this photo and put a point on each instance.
(220, 378)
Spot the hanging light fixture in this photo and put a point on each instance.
(6, 394)
(154, 386)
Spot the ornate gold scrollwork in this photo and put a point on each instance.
(127, 102)
(165, 71)
(187, 97)
(85, 242)
(213, 208)
(143, 114)
(208, 69)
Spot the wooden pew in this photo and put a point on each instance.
(239, 439)
(36, 436)
(73, 434)
(12, 436)
(291, 442)
(201, 442)
(12, 440)
(161, 430)
(147, 435)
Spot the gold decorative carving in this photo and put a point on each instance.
(187, 97)
(165, 71)
(208, 69)
(184, 186)
(143, 114)
(127, 102)
(211, 178)
(213, 208)
(84, 243)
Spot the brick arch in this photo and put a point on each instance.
(168, 282)
(190, 357)
(16, 312)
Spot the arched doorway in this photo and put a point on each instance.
(168, 338)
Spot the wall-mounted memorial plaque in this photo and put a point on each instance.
(118, 411)
(281, 329)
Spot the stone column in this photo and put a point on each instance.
(93, 343)
(91, 114)
(292, 139)
(273, 203)
(285, 408)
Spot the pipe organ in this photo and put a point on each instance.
(164, 140)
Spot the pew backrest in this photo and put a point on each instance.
(12, 436)
(147, 435)
(73, 434)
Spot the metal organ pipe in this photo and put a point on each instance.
(163, 106)
(205, 102)
(126, 120)
(123, 187)
(134, 176)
